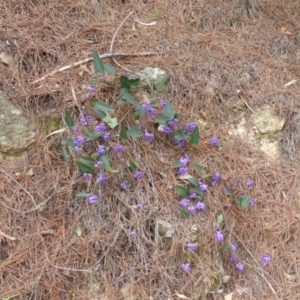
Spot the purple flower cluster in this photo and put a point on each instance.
(138, 175)
(119, 149)
(124, 185)
(216, 179)
(149, 110)
(149, 137)
(214, 141)
(190, 127)
(186, 267)
(92, 198)
(86, 120)
(265, 259)
(219, 236)
(191, 246)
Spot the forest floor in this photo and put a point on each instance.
(70, 249)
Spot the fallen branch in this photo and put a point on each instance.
(78, 63)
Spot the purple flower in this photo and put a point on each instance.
(102, 78)
(91, 89)
(191, 209)
(140, 206)
(123, 185)
(92, 198)
(132, 233)
(235, 184)
(98, 164)
(240, 266)
(79, 140)
(100, 127)
(186, 267)
(233, 246)
(184, 202)
(101, 150)
(219, 236)
(86, 120)
(253, 202)
(216, 179)
(167, 130)
(87, 176)
(232, 257)
(191, 246)
(182, 170)
(190, 127)
(200, 206)
(180, 143)
(150, 111)
(101, 178)
(250, 182)
(184, 159)
(118, 149)
(265, 259)
(149, 137)
(214, 141)
(75, 129)
(173, 122)
(162, 103)
(138, 175)
(203, 187)
(105, 135)
(193, 195)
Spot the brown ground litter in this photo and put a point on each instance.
(206, 47)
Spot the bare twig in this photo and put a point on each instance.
(247, 104)
(7, 236)
(111, 50)
(78, 63)
(114, 36)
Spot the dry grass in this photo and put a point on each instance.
(205, 46)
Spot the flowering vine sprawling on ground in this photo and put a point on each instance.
(95, 140)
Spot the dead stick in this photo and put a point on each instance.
(78, 63)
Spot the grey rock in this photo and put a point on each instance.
(149, 75)
(16, 131)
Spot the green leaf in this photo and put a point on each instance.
(108, 168)
(96, 134)
(132, 166)
(178, 135)
(100, 113)
(127, 83)
(121, 102)
(65, 154)
(84, 168)
(193, 180)
(134, 132)
(123, 133)
(70, 142)
(103, 106)
(177, 164)
(160, 84)
(98, 64)
(244, 201)
(184, 213)
(183, 191)
(69, 119)
(194, 138)
(162, 120)
(126, 96)
(226, 278)
(78, 230)
(168, 111)
(94, 156)
(88, 131)
(228, 192)
(105, 159)
(220, 219)
(111, 122)
(87, 160)
(109, 69)
(198, 168)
